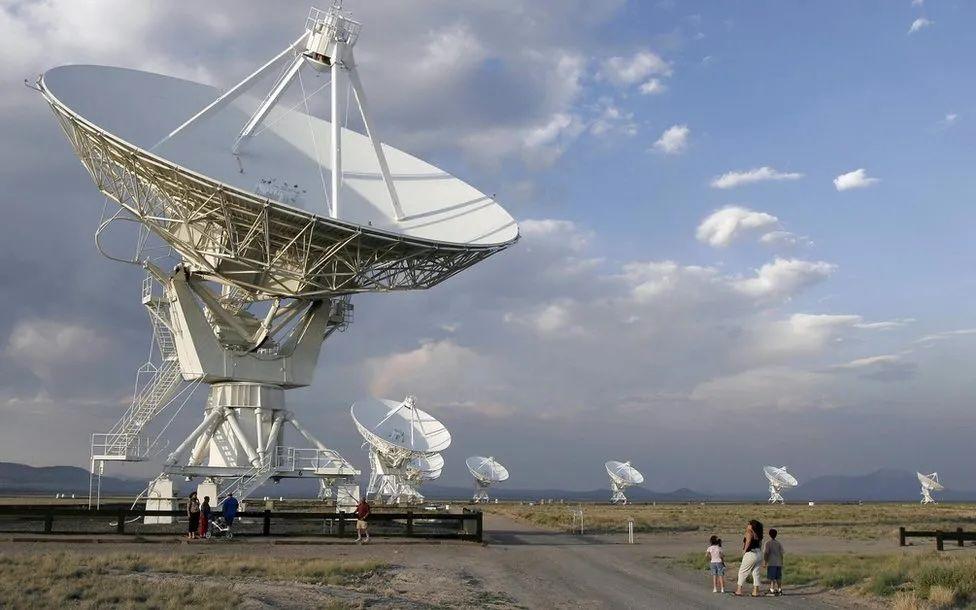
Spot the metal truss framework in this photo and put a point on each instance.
(255, 244)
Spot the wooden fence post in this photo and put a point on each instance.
(342, 524)
(959, 532)
(120, 525)
(409, 522)
(480, 531)
(939, 543)
(48, 521)
(266, 528)
(901, 536)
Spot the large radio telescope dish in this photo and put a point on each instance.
(486, 471)
(930, 483)
(779, 479)
(404, 446)
(261, 218)
(275, 216)
(622, 476)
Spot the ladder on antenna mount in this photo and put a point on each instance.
(125, 441)
(243, 485)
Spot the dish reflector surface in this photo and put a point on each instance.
(391, 425)
(429, 467)
(141, 108)
(624, 472)
(779, 476)
(486, 469)
(929, 482)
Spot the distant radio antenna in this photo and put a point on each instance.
(779, 479)
(622, 476)
(486, 471)
(404, 447)
(930, 483)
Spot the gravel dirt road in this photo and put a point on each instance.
(519, 566)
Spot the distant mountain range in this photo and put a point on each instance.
(879, 486)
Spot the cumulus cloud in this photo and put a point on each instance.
(613, 121)
(856, 179)
(674, 140)
(652, 87)
(761, 174)
(920, 24)
(722, 227)
(51, 347)
(624, 71)
(784, 277)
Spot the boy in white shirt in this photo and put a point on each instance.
(716, 564)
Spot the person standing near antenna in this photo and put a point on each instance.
(204, 516)
(229, 509)
(751, 557)
(716, 563)
(773, 558)
(193, 515)
(362, 512)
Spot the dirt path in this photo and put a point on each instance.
(520, 566)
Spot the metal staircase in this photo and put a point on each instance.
(243, 485)
(156, 386)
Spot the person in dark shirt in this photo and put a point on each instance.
(751, 557)
(193, 515)
(362, 512)
(204, 516)
(229, 509)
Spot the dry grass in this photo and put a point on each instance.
(942, 597)
(853, 522)
(87, 581)
(907, 581)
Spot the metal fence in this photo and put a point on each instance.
(467, 525)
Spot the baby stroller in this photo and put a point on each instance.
(218, 528)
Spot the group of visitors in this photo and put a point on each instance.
(199, 514)
(755, 555)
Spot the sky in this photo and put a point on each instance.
(746, 234)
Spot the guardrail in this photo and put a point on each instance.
(940, 536)
(468, 525)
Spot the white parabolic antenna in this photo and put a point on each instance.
(403, 441)
(275, 217)
(930, 483)
(486, 471)
(622, 476)
(779, 479)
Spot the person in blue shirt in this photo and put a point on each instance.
(229, 509)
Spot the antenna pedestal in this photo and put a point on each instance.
(617, 496)
(775, 496)
(241, 444)
(480, 491)
(388, 481)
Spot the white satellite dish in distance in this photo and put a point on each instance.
(930, 483)
(486, 471)
(622, 476)
(779, 479)
(398, 434)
